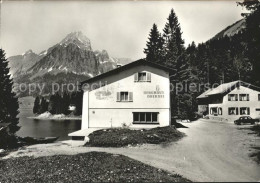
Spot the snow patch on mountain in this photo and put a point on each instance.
(77, 38)
(43, 53)
(50, 69)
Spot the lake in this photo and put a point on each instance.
(45, 128)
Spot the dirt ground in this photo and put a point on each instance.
(211, 151)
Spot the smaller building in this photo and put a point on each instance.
(229, 101)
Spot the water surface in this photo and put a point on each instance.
(45, 128)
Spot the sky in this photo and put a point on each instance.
(120, 27)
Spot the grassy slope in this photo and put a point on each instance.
(119, 137)
(93, 166)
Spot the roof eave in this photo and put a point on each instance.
(140, 61)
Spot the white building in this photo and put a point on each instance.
(229, 101)
(135, 95)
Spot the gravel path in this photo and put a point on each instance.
(212, 151)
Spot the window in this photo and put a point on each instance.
(232, 97)
(220, 111)
(213, 110)
(258, 97)
(142, 117)
(154, 117)
(244, 97)
(124, 96)
(149, 117)
(145, 117)
(136, 116)
(142, 77)
(233, 111)
(244, 111)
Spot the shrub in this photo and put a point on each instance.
(7, 140)
(119, 137)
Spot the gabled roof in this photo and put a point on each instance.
(125, 67)
(222, 88)
(204, 95)
(226, 88)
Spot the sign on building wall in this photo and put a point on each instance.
(155, 94)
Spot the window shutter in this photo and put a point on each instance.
(136, 77)
(130, 96)
(229, 97)
(240, 97)
(148, 76)
(117, 96)
(236, 97)
(247, 96)
(248, 111)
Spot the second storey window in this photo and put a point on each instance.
(232, 97)
(124, 96)
(244, 97)
(258, 97)
(142, 77)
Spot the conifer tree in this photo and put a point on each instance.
(58, 100)
(154, 50)
(52, 105)
(78, 102)
(8, 100)
(175, 58)
(66, 103)
(36, 107)
(43, 105)
(174, 44)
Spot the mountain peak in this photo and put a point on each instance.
(77, 38)
(28, 52)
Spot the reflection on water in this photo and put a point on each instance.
(45, 128)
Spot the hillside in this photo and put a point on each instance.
(232, 29)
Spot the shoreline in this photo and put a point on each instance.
(55, 118)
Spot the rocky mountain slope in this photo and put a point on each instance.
(21, 63)
(232, 29)
(72, 58)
